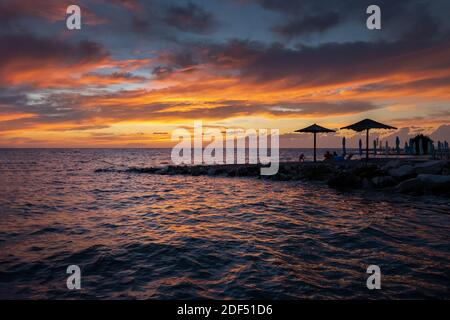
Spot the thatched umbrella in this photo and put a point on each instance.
(315, 129)
(366, 125)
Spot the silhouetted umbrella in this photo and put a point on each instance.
(344, 151)
(315, 129)
(366, 125)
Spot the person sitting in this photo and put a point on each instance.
(335, 154)
(328, 156)
(349, 156)
(301, 158)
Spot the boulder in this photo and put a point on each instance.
(403, 172)
(434, 178)
(281, 177)
(426, 183)
(435, 184)
(384, 181)
(345, 181)
(367, 184)
(429, 167)
(317, 171)
(413, 186)
(392, 164)
(368, 171)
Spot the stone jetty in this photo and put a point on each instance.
(404, 176)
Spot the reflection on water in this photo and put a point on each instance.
(146, 236)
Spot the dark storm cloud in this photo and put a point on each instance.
(132, 5)
(190, 17)
(423, 85)
(422, 24)
(29, 60)
(330, 63)
(289, 6)
(27, 46)
(398, 17)
(308, 24)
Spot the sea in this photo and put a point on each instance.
(143, 236)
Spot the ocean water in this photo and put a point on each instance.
(139, 236)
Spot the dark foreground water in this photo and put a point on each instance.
(162, 237)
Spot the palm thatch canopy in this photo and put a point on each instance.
(368, 124)
(315, 129)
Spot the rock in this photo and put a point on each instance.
(403, 172)
(367, 184)
(446, 168)
(426, 183)
(429, 167)
(413, 186)
(282, 177)
(384, 181)
(434, 179)
(368, 171)
(318, 171)
(242, 172)
(392, 164)
(162, 171)
(345, 181)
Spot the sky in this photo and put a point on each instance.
(137, 70)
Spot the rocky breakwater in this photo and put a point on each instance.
(403, 176)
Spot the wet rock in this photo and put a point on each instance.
(403, 172)
(142, 170)
(446, 168)
(367, 184)
(317, 172)
(412, 186)
(429, 167)
(384, 181)
(282, 177)
(368, 171)
(345, 181)
(162, 171)
(426, 184)
(392, 164)
(435, 184)
(107, 170)
(242, 172)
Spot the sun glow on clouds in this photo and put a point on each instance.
(124, 84)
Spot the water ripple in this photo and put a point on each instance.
(144, 236)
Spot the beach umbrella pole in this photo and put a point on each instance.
(314, 147)
(367, 144)
(314, 129)
(366, 125)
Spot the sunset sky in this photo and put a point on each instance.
(139, 69)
